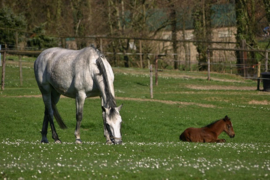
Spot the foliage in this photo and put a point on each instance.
(150, 129)
(202, 31)
(267, 9)
(246, 28)
(39, 40)
(11, 23)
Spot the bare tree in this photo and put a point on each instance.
(202, 30)
(246, 30)
(185, 9)
(267, 9)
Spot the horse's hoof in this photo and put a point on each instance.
(109, 142)
(44, 141)
(78, 141)
(58, 142)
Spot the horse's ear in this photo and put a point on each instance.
(106, 110)
(103, 108)
(226, 118)
(119, 107)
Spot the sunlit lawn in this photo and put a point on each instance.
(151, 129)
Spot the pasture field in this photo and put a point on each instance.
(151, 148)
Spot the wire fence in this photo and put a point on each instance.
(141, 53)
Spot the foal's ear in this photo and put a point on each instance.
(226, 118)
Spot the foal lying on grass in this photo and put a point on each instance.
(210, 132)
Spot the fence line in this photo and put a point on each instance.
(243, 56)
(209, 64)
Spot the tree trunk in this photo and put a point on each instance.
(174, 33)
(246, 23)
(202, 31)
(267, 9)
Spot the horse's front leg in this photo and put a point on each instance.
(79, 114)
(106, 133)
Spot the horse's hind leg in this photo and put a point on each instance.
(45, 127)
(48, 117)
(54, 100)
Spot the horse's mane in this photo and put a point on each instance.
(97, 51)
(209, 125)
(109, 97)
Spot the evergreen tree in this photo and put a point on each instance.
(11, 24)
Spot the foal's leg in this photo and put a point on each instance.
(79, 114)
(221, 141)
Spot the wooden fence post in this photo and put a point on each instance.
(244, 56)
(100, 45)
(258, 75)
(208, 63)
(20, 65)
(156, 71)
(151, 82)
(16, 40)
(3, 71)
(0, 57)
(141, 54)
(266, 61)
(63, 42)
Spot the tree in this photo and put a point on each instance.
(39, 40)
(173, 22)
(246, 30)
(185, 9)
(267, 9)
(202, 30)
(12, 25)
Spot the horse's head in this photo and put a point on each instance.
(113, 122)
(228, 127)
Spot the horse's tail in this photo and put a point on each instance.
(109, 97)
(58, 118)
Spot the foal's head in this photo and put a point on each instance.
(228, 128)
(113, 123)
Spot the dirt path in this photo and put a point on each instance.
(132, 99)
(173, 74)
(215, 87)
(166, 102)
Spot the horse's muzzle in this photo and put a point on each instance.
(232, 136)
(116, 140)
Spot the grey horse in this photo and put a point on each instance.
(77, 74)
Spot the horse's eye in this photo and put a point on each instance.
(228, 126)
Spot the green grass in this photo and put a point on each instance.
(151, 129)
